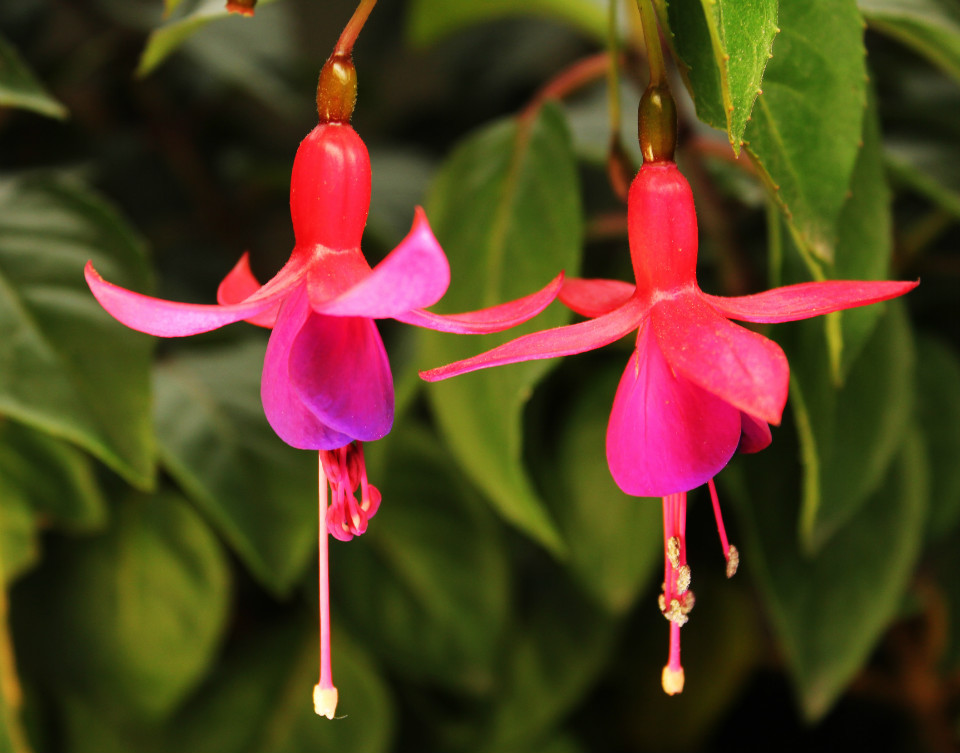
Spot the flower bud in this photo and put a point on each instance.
(337, 89)
(657, 123)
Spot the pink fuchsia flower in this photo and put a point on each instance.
(326, 382)
(697, 386)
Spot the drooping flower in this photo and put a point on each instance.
(697, 387)
(326, 382)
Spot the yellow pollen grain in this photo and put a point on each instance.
(733, 561)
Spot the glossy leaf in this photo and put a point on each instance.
(615, 541)
(830, 610)
(848, 435)
(427, 585)
(806, 126)
(165, 40)
(506, 209)
(432, 20)
(215, 441)
(20, 88)
(724, 46)
(135, 614)
(938, 414)
(66, 367)
(930, 27)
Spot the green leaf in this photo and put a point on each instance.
(165, 40)
(257, 701)
(930, 166)
(806, 126)
(615, 540)
(431, 20)
(848, 435)
(831, 609)
(19, 549)
(217, 444)
(930, 27)
(427, 585)
(506, 208)
(724, 46)
(135, 614)
(58, 480)
(20, 88)
(66, 367)
(12, 737)
(938, 397)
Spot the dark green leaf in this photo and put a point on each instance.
(12, 737)
(929, 166)
(18, 532)
(615, 540)
(830, 610)
(66, 367)
(931, 27)
(20, 88)
(807, 125)
(506, 209)
(427, 585)
(848, 435)
(431, 20)
(216, 442)
(938, 397)
(135, 614)
(725, 46)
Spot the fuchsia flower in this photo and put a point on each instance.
(697, 386)
(326, 381)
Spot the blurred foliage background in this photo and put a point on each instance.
(157, 540)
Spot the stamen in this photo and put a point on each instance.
(324, 692)
(733, 561)
(673, 551)
(683, 578)
(729, 551)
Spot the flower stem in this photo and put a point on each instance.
(351, 31)
(651, 38)
(324, 692)
(613, 84)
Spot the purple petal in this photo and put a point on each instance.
(807, 299)
(339, 367)
(595, 298)
(754, 434)
(414, 274)
(288, 414)
(493, 319)
(560, 341)
(743, 368)
(156, 316)
(666, 434)
(239, 285)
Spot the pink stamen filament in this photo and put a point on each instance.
(324, 693)
(730, 553)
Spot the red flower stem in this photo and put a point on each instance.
(351, 31)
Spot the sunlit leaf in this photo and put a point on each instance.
(506, 208)
(216, 442)
(66, 367)
(20, 88)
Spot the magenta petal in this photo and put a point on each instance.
(339, 368)
(156, 316)
(240, 284)
(288, 414)
(595, 298)
(754, 434)
(807, 299)
(666, 434)
(560, 341)
(414, 274)
(493, 319)
(746, 369)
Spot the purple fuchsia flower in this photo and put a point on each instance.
(326, 380)
(697, 387)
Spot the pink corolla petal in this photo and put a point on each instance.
(560, 341)
(807, 299)
(415, 274)
(666, 434)
(156, 316)
(595, 298)
(288, 414)
(339, 367)
(754, 434)
(746, 369)
(493, 319)
(240, 284)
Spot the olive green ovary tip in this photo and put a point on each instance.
(337, 90)
(657, 121)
